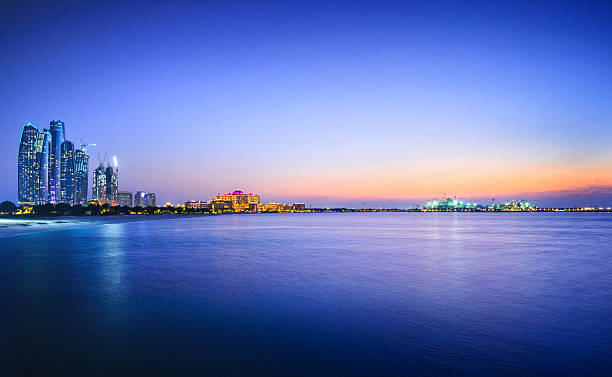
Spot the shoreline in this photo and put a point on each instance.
(12, 225)
(18, 225)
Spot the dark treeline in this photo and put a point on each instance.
(62, 209)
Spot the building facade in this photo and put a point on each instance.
(150, 200)
(240, 201)
(198, 206)
(41, 178)
(26, 165)
(81, 175)
(112, 186)
(98, 189)
(58, 136)
(145, 199)
(67, 168)
(124, 198)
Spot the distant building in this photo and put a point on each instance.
(98, 190)
(198, 206)
(81, 175)
(299, 207)
(221, 205)
(272, 207)
(150, 200)
(145, 199)
(112, 186)
(67, 167)
(124, 198)
(240, 201)
(57, 137)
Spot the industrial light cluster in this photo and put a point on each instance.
(449, 204)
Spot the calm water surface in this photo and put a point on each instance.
(312, 294)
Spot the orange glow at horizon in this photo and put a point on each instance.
(469, 181)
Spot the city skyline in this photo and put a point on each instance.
(332, 104)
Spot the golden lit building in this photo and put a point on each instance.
(241, 202)
(272, 207)
(198, 205)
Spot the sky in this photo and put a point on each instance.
(329, 103)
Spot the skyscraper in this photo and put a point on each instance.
(150, 200)
(41, 167)
(81, 175)
(58, 136)
(67, 173)
(26, 165)
(112, 186)
(144, 199)
(98, 190)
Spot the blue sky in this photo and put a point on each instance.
(380, 102)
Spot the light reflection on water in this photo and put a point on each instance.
(328, 294)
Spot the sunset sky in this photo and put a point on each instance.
(382, 103)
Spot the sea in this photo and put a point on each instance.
(309, 294)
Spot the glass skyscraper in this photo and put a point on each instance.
(33, 166)
(98, 190)
(112, 186)
(67, 173)
(81, 175)
(41, 181)
(27, 165)
(58, 136)
(144, 199)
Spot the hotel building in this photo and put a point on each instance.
(240, 201)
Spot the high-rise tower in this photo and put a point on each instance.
(112, 186)
(81, 175)
(26, 165)
(41, 167)
(33, 166)
(67, 176)
(98, 190)
(58, 136)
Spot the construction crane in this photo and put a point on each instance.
(84, 145)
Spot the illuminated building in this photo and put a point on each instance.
(67, 188)
(150, 200)
(98, 190)
(221, 205)
(272, 207)
(124, 198)
(299, 207)
(112, 185)
(198, 206)
(33, 166)
(145, 199)
(27, 165)
(240, 201)
(41, 181)
(58, 136)
(459, 205)
(81, 175)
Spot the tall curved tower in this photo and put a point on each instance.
(41, 167)
(58, 136)
(26, 165)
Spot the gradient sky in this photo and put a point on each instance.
(371, 103)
